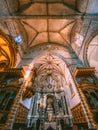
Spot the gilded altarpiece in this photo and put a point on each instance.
(87, 84)
(90, 92)
(78, 115)
(11, 81)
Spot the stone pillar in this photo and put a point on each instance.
(12, 114)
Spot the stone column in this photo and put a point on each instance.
(12, 114)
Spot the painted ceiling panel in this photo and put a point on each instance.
(23, 2)
(71, 3)
(58, 24)
(66, 32)
(49, 8)
(59, 9)
(40, 38)
(36, 9)
(56, 38)
(31, 32)
(39, 25)
(48, 30)
(48, 1)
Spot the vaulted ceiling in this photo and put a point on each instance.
(49, 35)
(47, 24)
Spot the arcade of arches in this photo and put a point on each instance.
(48, 65)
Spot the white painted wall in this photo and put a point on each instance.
(92, 54)
(72, 101)
(26, 102)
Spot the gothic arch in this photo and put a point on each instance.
(86, 47)
(8, 50)
(86, 50)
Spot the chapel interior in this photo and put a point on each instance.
(48, 64)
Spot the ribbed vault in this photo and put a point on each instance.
(50, 74)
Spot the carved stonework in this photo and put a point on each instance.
(49, 74)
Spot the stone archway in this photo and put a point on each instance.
(90, 50)
(8, 51)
